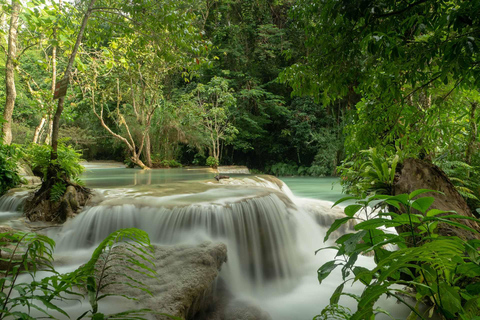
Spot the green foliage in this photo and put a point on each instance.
(212, 162)
(27, 253)
(284, 169)
(464, 177)
(9, 177)
(373, 171)
(167, 163)
(436, 267)
(38, 157)
(57, 191)
(134, 254)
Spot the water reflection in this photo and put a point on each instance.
(121, 177)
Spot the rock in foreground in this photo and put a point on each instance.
(184, 285)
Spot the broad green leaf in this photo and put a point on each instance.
(326, 269)
(422, 204)
(335, 225)
(352, 209)
(419, 192)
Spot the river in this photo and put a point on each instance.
(271, 227)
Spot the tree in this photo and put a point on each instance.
(215, 101)
(10, 71)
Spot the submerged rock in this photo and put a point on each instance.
(185, 280)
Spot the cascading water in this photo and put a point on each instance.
(259, 230)
(271, 235)
(11, 204)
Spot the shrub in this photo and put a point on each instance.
(443, 271)
(38, 157)
(373, 171)
(284, 169)
(9, 177)
(199, 160)
(212, 162)
(31, 252)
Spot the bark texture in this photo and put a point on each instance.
(11, 92)
(417, 174)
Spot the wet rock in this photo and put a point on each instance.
(27, 175)
(39, 206)
(245, 310)
(417, 174)
(218, 177)
(185, 281)
(233, 169)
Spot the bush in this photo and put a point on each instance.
(443, 271)
(212, 162)
(9, 177)
(372, 172)
(168, 164)
(38, 157)
(199, 160)
(33, 252)
(283, 169)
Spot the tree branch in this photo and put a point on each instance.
(414, 4)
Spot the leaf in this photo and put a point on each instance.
(363, 274)
(352, 209)
(337, 294)
(344, 199)
(335, 225)
(450, 298)
(434, 212)
(326, 269)
(422, 204)
(352, 242)
(419, 192)
(375, 223)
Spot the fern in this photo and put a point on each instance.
(79, 181)
(25, 253)
(57, 191)
(135, 254)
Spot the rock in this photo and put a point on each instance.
(218, 177)
(233, 169)
(245, 310)
(39, 207)
(28, 176)
(417, 174)
(185, 281)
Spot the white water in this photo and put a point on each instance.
(271, 237)
(11, 205)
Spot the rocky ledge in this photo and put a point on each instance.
(185, 282)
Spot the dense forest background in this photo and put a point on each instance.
(284, 87)
(247, 44)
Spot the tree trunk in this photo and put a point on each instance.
(38, 129)
(11, 92)
(147, 150)
(136, 159)
(68, 70)
(417, 174)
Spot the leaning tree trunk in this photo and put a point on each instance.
(40, 207)
(11, 91)
(148, 150)
(417, 174)
(68, 71)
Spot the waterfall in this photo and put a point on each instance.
(11, 204)
(260, 232)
